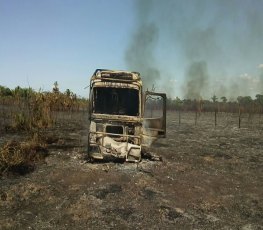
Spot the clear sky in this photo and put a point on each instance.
(61, 40)
(43, 41)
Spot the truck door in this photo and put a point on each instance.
(154, 121)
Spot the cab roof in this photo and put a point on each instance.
(116, 75)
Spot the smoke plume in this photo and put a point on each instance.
(140, 53)
(196, 80)
(206, 45)
(261, 79)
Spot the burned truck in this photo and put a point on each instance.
(123, 119)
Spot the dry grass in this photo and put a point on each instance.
(21, 157)
(35, 114)
(32, 114)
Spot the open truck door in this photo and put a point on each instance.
(154, 121)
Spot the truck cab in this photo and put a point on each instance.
(122, 118)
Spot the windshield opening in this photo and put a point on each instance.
(116, 101)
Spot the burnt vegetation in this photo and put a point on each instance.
(31, 114)
(201, 176)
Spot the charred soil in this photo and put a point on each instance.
(210, 178)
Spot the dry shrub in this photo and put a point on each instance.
(21, 122)
(35, 115)
(21, 157)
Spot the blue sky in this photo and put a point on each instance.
(66, 40)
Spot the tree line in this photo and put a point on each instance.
(244, 104)
(57, 100)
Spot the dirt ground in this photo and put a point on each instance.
(210, 178)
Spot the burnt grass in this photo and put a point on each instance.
(210, 178)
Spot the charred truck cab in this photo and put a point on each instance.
(123, 119)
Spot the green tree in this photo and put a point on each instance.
(214, 98)
(55, 88)
(4, 91)
(224, 99)
(259, 99)
(244, 100)
(68, 92)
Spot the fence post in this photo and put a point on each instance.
(239, 116)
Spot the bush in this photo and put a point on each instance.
(21, 157)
